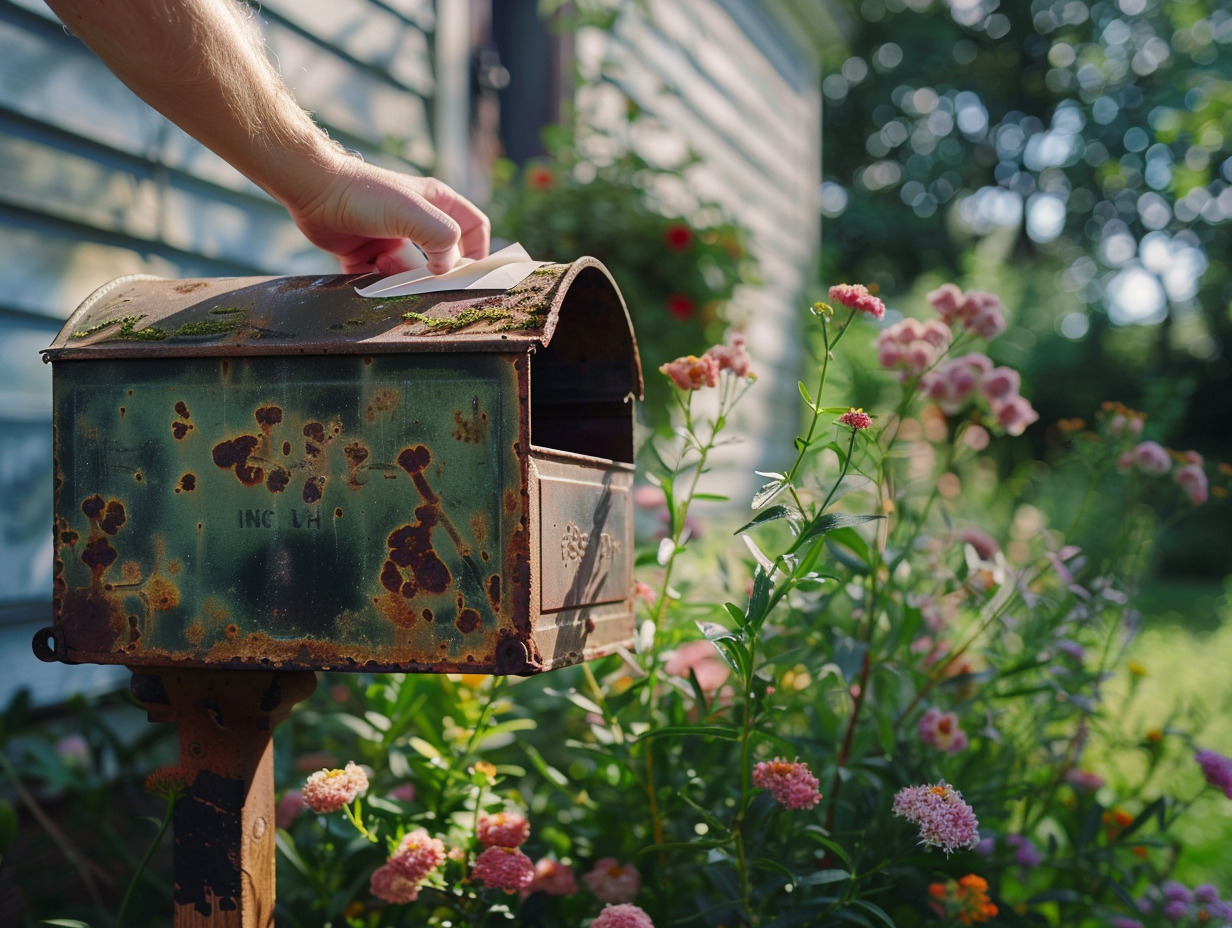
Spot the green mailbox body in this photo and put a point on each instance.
(278, 473)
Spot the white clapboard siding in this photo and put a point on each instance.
(751, 110)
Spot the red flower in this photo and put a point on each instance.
(680, 306)
(540, 178)
(678, 236)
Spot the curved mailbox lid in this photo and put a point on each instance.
(141, 316)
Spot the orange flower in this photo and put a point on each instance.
(964, 900)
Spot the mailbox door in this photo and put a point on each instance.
(584, 524)
(345, 512)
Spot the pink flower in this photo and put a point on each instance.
(1151, 458)
(611, 882)
(792, 784)
(504, 829)
(733, 357)
(390, 885)
(74, 750)
(622, 916)
(1217, 769)
(700, 658)
(403, 792)
(1192, 480)
(944, 819)
(942, 731)
(1014, 415)
(981, 313)
(505, 868)
(857, 297)
(945, 300)
(645, 592)
(1000, 383)
(417, 855)
(912, 346)
(646, 496)
(692, 373)
(288, 809)
(857, 419)
(552, 878)
(985, 546)
(1084, 779)
(330, 790)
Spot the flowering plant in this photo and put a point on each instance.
(677, 266)
(888, 710)
(898, 699)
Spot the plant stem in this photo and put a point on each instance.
(145, 860)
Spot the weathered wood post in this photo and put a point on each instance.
(224, 825)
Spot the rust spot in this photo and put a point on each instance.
(267, 417)
(233, 453)
(494, 591)
(92, 506)
(195, 633)
(113, 517)
(467, 621)
(161, 595)
(190, 285)
(122, 412)
(470, 431)
(314, 434)
(391, 577)
(338, 513)
(181, 410)
(138, 476)
(180, 429)
(479, 528)
(174, 566)
(414, 460)
(382, 401)
(225, 366)
(131, 571)
(200, 526)
(286, 448)
(427, 615)
(231, 630)
(98, 556)
(511, 500)
(68, 537)
(367, 359)
(188, 483)
(357, 455)
(411, 546)
(278, 479)
(314, 488)
(484, 555)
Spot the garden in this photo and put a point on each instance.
(948, 665)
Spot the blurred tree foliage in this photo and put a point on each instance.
(1076, 156)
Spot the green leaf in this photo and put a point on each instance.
(65, 923)
(546, 770)
(769, 515)
(735, 612)
(827, 522)
(819, 877)
(804, 393)
(291, 853)
(876, 910)
(714, 631)
(708, 731)
(769, 491)
(712, 497)
(423, 748)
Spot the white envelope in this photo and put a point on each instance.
(500, 271)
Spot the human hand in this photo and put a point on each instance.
(372, 219)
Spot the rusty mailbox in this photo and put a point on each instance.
(278, 473)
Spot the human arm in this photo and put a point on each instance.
(202, 64)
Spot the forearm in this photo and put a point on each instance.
(202, 64)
